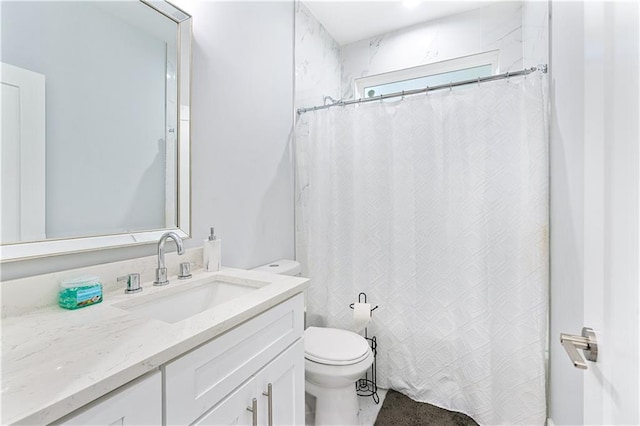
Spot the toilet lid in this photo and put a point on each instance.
(333, 346)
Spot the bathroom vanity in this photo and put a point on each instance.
(228, 351)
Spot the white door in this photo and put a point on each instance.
(22, 155)
(595, 187)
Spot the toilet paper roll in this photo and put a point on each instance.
(361, 316)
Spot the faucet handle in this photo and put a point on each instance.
(185, 271)
(133, 283)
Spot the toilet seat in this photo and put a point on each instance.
(332, 346)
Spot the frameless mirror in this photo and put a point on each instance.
(95, 125)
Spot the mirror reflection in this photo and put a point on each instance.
(89, 119)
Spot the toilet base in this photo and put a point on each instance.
(335, 406)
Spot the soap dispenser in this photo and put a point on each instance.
(212, 252)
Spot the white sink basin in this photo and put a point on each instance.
(177, 304)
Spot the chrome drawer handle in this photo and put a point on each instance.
(254, 411)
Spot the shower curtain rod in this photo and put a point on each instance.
(526, 71)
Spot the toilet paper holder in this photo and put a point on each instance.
(368, 385)
(362, 298)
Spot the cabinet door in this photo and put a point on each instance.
(137, 403)
(233, 409)
(286, 376)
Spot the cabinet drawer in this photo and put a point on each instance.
(198, 380)
(233, 409)
(137, 403)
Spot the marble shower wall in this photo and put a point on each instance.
(495, 27)
(317, 60)
(324, 68)
(535, 33)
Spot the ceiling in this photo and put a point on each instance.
(351, 20)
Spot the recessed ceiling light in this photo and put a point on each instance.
(410, 4)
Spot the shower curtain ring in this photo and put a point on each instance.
(426, 91)
(380, 98)
(450, 85)
(402, 99)
(508, 76)
(478, 81)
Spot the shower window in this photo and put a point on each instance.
(465, 68)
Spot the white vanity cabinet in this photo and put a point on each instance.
(216, 382)
(146, 370)
(137, 403)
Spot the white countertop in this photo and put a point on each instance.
(54, 361)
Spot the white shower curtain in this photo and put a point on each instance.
(436, 206)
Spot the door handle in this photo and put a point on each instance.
(587, 342)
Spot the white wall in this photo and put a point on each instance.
(242, 113)
(242, 122)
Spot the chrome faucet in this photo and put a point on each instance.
(161, 270)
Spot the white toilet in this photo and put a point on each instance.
(334, 360)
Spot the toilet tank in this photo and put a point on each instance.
(281, 267)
